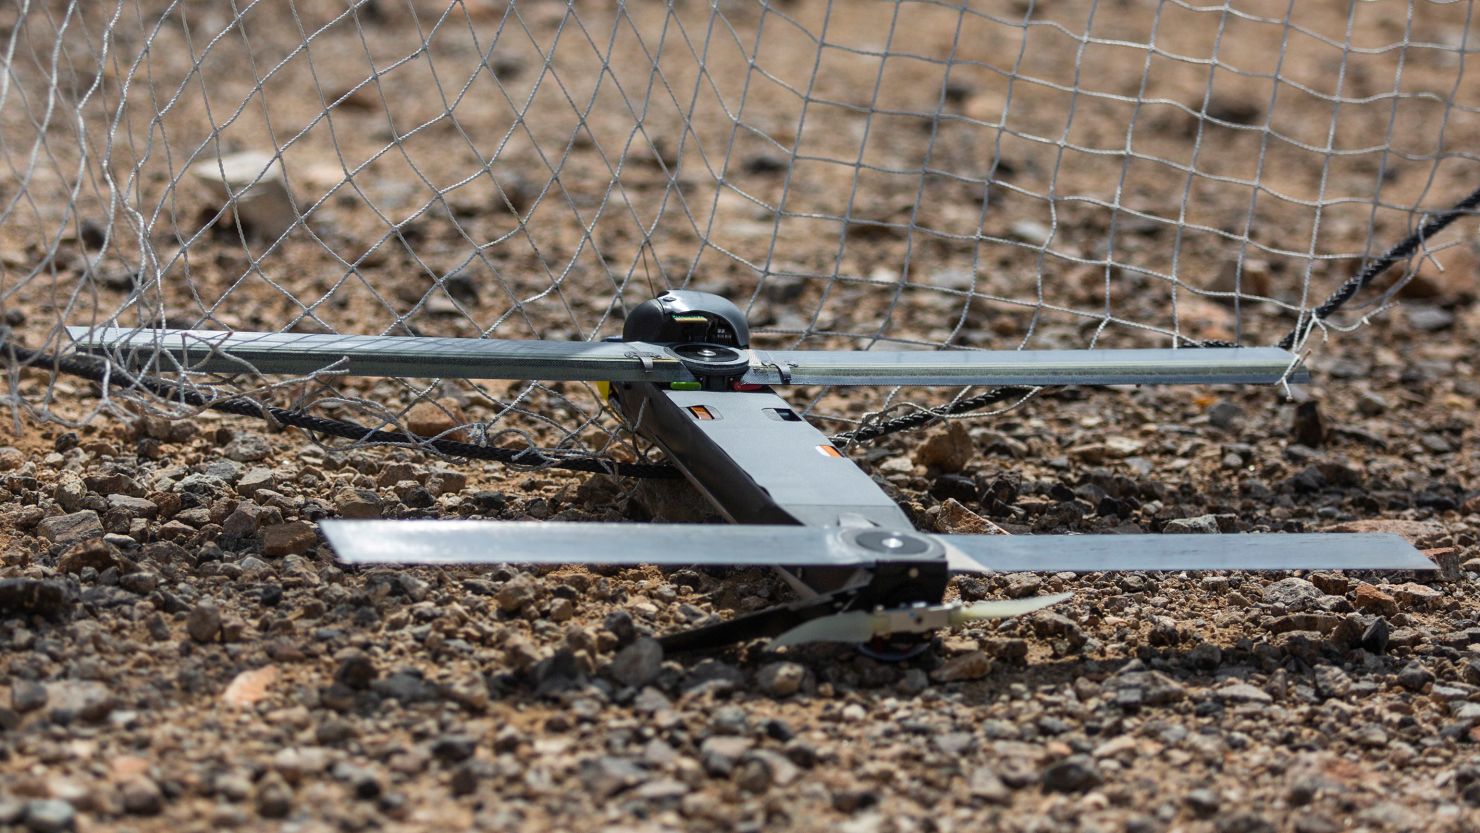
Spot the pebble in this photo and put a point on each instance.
(1369, 598)
(1076, 773)
(71, 528)
(637, 664)
(292, 538)
(946, 449)
(49, 816)
(781, 679)
(972, 665)
(11, 458)
(517, 592)
(204, 622)
(141, 796)
(255, 480)
(247, 447)
(356, 670)
(25, 596)
(27, 696)
(1294, 594)
(1200, 525)
(1240, 692)
(436, 419)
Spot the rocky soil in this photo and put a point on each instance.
(181, 651)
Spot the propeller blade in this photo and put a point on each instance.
(855, 626)
(861, 626)
(1005, 608)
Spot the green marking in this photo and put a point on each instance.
(690, 319)
(685, 386)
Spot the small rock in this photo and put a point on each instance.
(141, 796)
(292, 538)
(250, 687)
(1241, 692)
(1295, 594)
(358, 504)
(1334, 584)
(1421, 534)
(1370, 599)
(948, 449)
(11, 458)
(255, 480)
(26, 596)
(516, 593)
(248, 447)
(1414, 677)
(1076, 773)
(781, 679)
(1151, 688)
(49, 816)
(1376, 635)
(437, 419)
(251, 187)
(1308, 428)
(1031, 232)
(204, 621)
(720, 753)
(356, 670)
(1413, 596)
(1203, 803)
(1224, 414)
(27, 696)
(986, 786)
(956, 518)
(1332, 681)
(1427, 319)
(274, 797)
(133, 507)
(972, 665)
(1200, 525)
(96, 554)
(70, 529)
(637, 664)
(454, 749)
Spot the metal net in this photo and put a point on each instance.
(863, 174)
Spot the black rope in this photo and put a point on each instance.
(102, 372)
(1400, 252)
(921, 418)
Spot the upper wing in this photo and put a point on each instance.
(475, 358)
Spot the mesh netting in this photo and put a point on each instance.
(995, 175)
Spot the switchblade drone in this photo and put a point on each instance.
(684, 376)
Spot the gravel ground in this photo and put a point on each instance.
(182, 652)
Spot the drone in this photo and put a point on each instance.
(684, 376)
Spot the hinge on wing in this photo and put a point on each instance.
(783, 370)
(645, 359)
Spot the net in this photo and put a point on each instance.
(861, 174)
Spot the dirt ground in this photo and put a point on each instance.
(182, 651)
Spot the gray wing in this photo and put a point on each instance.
(456, 358)
(1227, 365)
(465, 542)
(472, 358)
